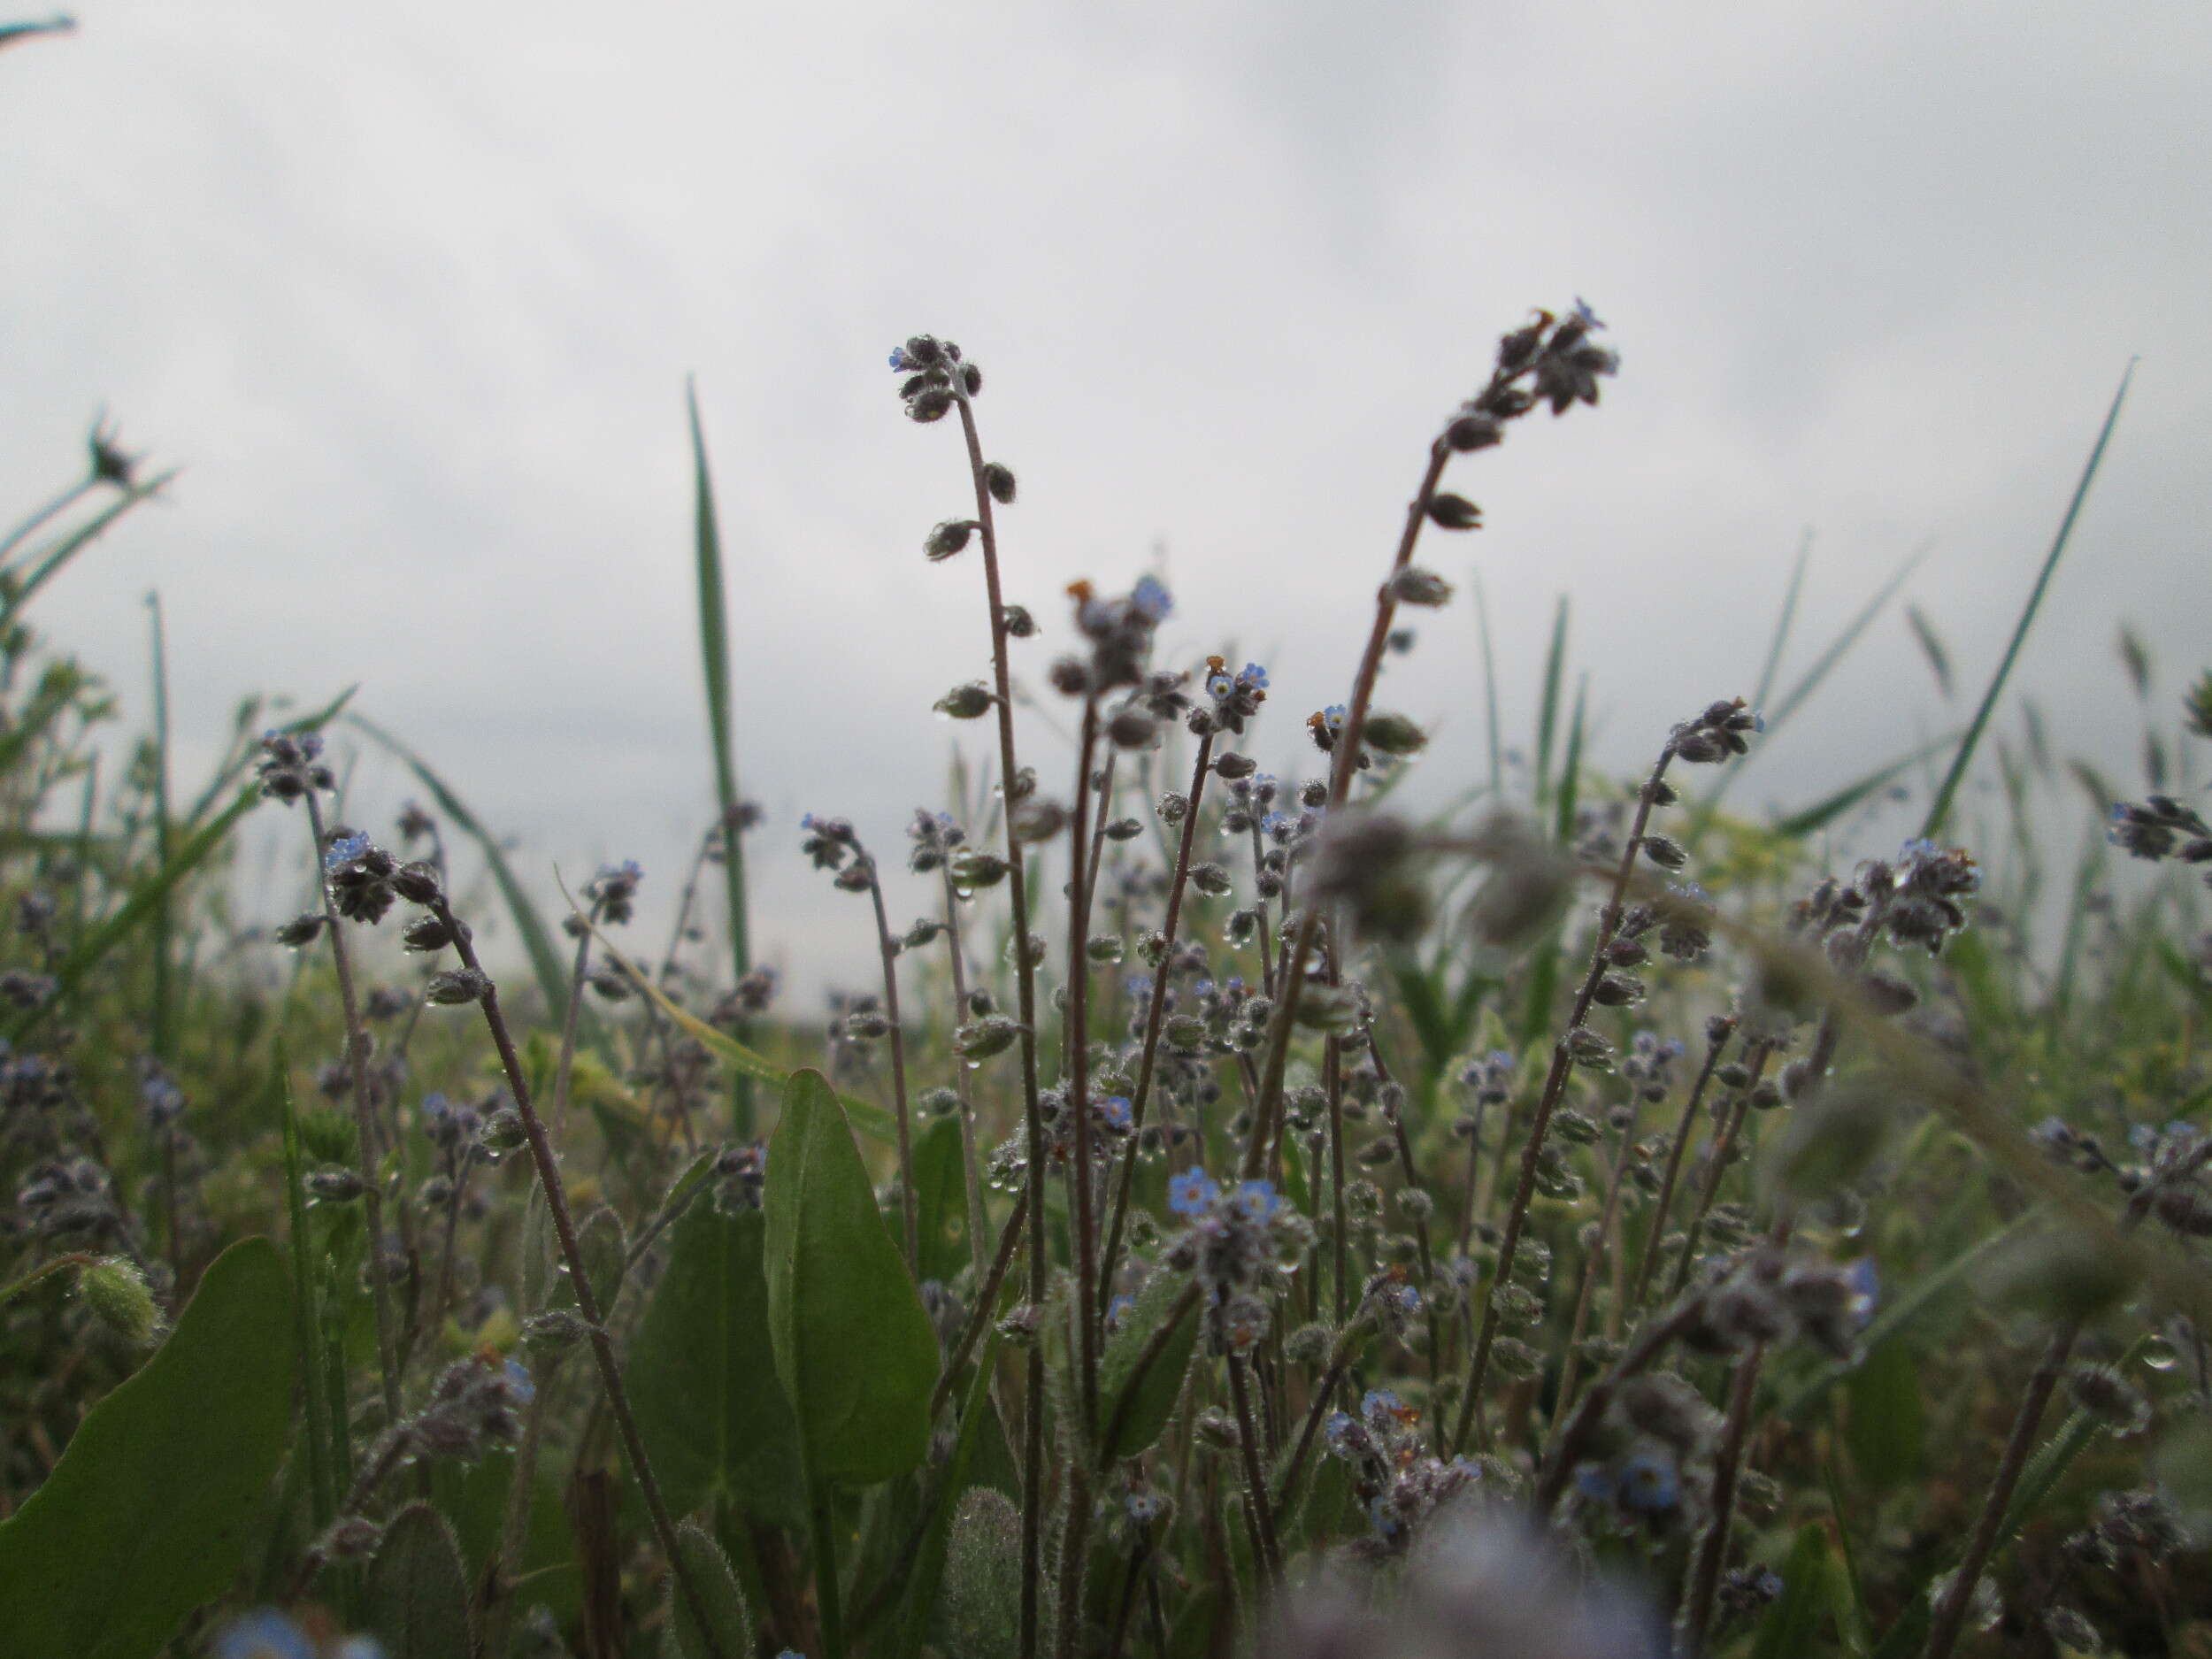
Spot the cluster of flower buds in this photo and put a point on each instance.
(1718, 734)
(613, 891)
(936, 837)
(1400, 1484)
(69, 1195)
(1231, 697)
(1241, 1238)
(828, 842)
(1119, 633)
(2159, 826)
(291, 765)
(935, 377)
(1765, 1297)
(360, 876)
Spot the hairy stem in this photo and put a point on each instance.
(364, 1120)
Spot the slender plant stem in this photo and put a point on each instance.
(1026, 991)
(555, 1191)
(365, 1122)
(1088, 1291)
(1950, 1618)
(1317, 1408)
(1254, 1483)
(1075, 1538)
(1697, 1608)
(1717, 1170)
(888, 948)
(1571, 1365)
(986, 1299)
(971, 1163)
(1554, 1087)
(1655, 1233)
(1155, 1017)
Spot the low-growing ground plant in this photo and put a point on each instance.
(1248, 1214)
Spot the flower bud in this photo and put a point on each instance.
(967, 702)
(1391, 734)
(948, 538)
(456, 987)
(999, 480)
(116, 1292)
(416, 883)
(1449, 512)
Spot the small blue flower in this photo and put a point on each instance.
(1150, 599)
(1334, 715)
(1649, 1483)
(1115, 1308)
(1220, 686)
(1583, 315)
(344, 850)
(1192, 1192)
(1253, 675)
(898, 357)
(1115, 1110)
(1378, 1403)
(1258, 1200)
(1866, 1281)
(264, 1634)
(518, 1383)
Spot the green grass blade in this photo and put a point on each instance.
(144, 898)
(1783, 623)
(56, 692)
(1940, 809)
(1839, 648)
(1547, 716)
(246, 752)
(1570, 780)
(321, 1488)
(1931, 647)
(714, 656)
(1489, 682)
(58, 556)
(545, 962)
(1828, 809)
(165, 914)
(714, 659)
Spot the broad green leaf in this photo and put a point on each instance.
(983, 1577)
(701, 1378)
(941, 1199)
(1792, 1625)
(148, 1512)
(416, 1598)
(854, 1349)
(1154, 1393)
(729, 1624)
(928, 1569)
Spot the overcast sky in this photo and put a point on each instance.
(412, 293)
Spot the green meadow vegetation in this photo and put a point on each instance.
(1246, 1214)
